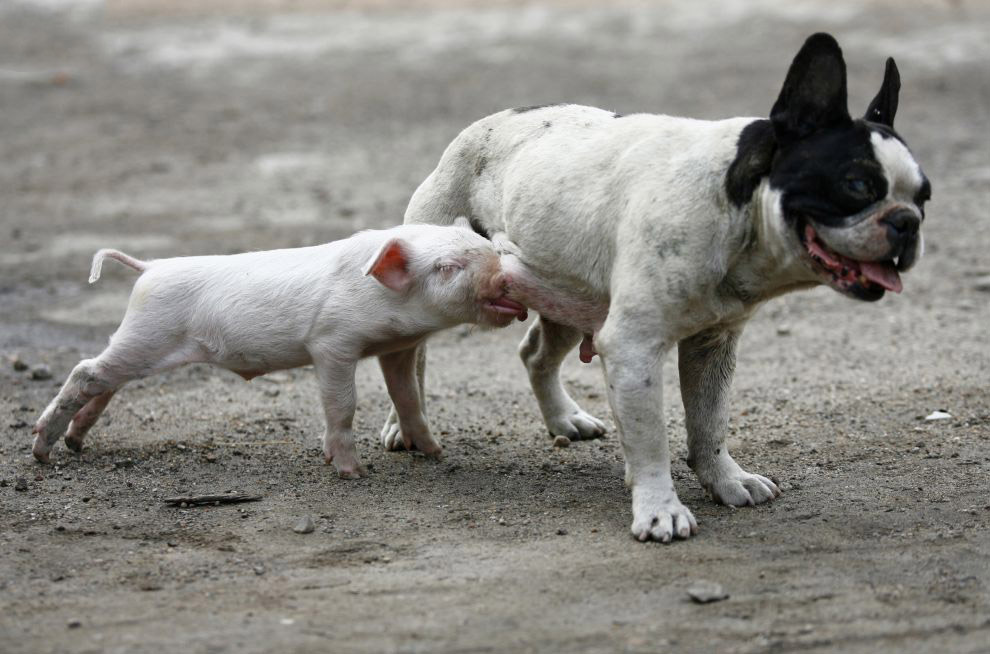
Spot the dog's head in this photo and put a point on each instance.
(851, 195)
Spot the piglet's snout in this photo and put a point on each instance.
(494, 295)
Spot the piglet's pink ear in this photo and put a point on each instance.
(390, 265)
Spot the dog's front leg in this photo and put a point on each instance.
(706, 362)
(632, 357)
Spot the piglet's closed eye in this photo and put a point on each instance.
(390, 265)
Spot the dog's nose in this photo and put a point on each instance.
(902, 223)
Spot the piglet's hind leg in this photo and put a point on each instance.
(95, 380)
(84, 420)
(88, 380)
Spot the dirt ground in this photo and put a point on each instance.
(286, 123)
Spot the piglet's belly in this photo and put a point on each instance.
(255, 356)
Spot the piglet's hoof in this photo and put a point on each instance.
(348, 467)
(40, 450)
(352, 473)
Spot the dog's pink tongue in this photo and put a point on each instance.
(882, 273)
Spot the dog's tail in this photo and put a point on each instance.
(126, 259)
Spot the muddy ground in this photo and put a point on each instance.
(288, 123)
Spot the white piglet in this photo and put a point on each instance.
(377, 293)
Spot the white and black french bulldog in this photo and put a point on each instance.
(645, 231)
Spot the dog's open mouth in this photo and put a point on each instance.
(867, 280)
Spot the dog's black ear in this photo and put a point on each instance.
(814, 92)
(884, 106)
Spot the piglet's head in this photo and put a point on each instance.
(453, 274)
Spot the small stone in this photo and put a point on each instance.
(938, 414)
(41, 372)
(18, 424)
(561, 441)
(211, 457)
(259, 570)
(502, 522)
(704, 592)
(561, 532)
(19, 364)
(272, 392)
(74, 624)
(21, 484)
(982, 284)
(304, 526)
(783, 330)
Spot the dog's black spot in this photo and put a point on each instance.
(754, 157)
(923, 195)
(669, 247)
(546, 123)
(479, 166)
(522, 110)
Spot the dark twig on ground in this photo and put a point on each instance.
(194, 500)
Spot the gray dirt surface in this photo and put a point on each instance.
(272, 123)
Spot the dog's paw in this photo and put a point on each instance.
(392, 437)
(741, 488)
(576, 425)
(661, 518)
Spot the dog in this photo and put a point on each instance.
(655, 231)
(377, 293)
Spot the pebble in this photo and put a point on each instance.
(561, 441)
(939, 415)
(982, 284)
(41, 372)
(19, 364)
(704, 592)
(74, 624)
(561, 532)
(272, 392)
(304, 526)
(259, 570)
(21, 484)
(783, 330)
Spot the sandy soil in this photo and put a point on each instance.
(186, 133)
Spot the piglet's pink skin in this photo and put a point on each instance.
(378, 293)
(554, 301)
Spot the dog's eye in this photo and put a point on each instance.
(859, 187)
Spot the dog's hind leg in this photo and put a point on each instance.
(542, 350)
(706, 363)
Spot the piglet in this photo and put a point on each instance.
(377, 293)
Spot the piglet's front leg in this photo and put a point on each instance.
(335, 377)
(399, 370)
